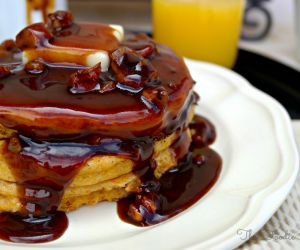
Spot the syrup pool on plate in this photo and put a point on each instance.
(179, 188)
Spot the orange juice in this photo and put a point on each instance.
(200, 29)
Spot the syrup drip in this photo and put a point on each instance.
(179, 188)
(31, 229)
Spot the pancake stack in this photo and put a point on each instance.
(84, 111)
(101, 177)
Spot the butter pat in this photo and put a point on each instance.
(65, 55)
(88, 46)
(96, 57)
(118, 31)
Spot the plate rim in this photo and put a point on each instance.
(271, 195)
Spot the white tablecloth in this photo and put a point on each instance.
(282, 231)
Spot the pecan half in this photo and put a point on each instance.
(60, 20)
(35, 67)
(4, 72)
(33, 36)
(155, 98)
(131, 69)
(85, 80)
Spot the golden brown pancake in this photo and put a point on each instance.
(101, 178)
(82, 117)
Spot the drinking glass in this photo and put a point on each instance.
(206, 30)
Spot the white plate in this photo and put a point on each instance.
(260, 163)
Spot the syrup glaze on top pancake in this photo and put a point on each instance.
(41, 105)
(62, 113)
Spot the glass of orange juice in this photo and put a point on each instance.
(206, 30)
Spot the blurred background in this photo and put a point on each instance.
(267, 26)
(272, 33)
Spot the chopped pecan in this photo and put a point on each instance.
(4, 72)
(35, 67)
(155, 98)
(8, 45)
(60, 20)
(134, 213)
(107, 87)
(149, 204)
(85, 80)
(199, 160)
(33, 36)
(144, 204)
(131, 69)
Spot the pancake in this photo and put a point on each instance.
(101, 178)
(74, 197)
(86, 115)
